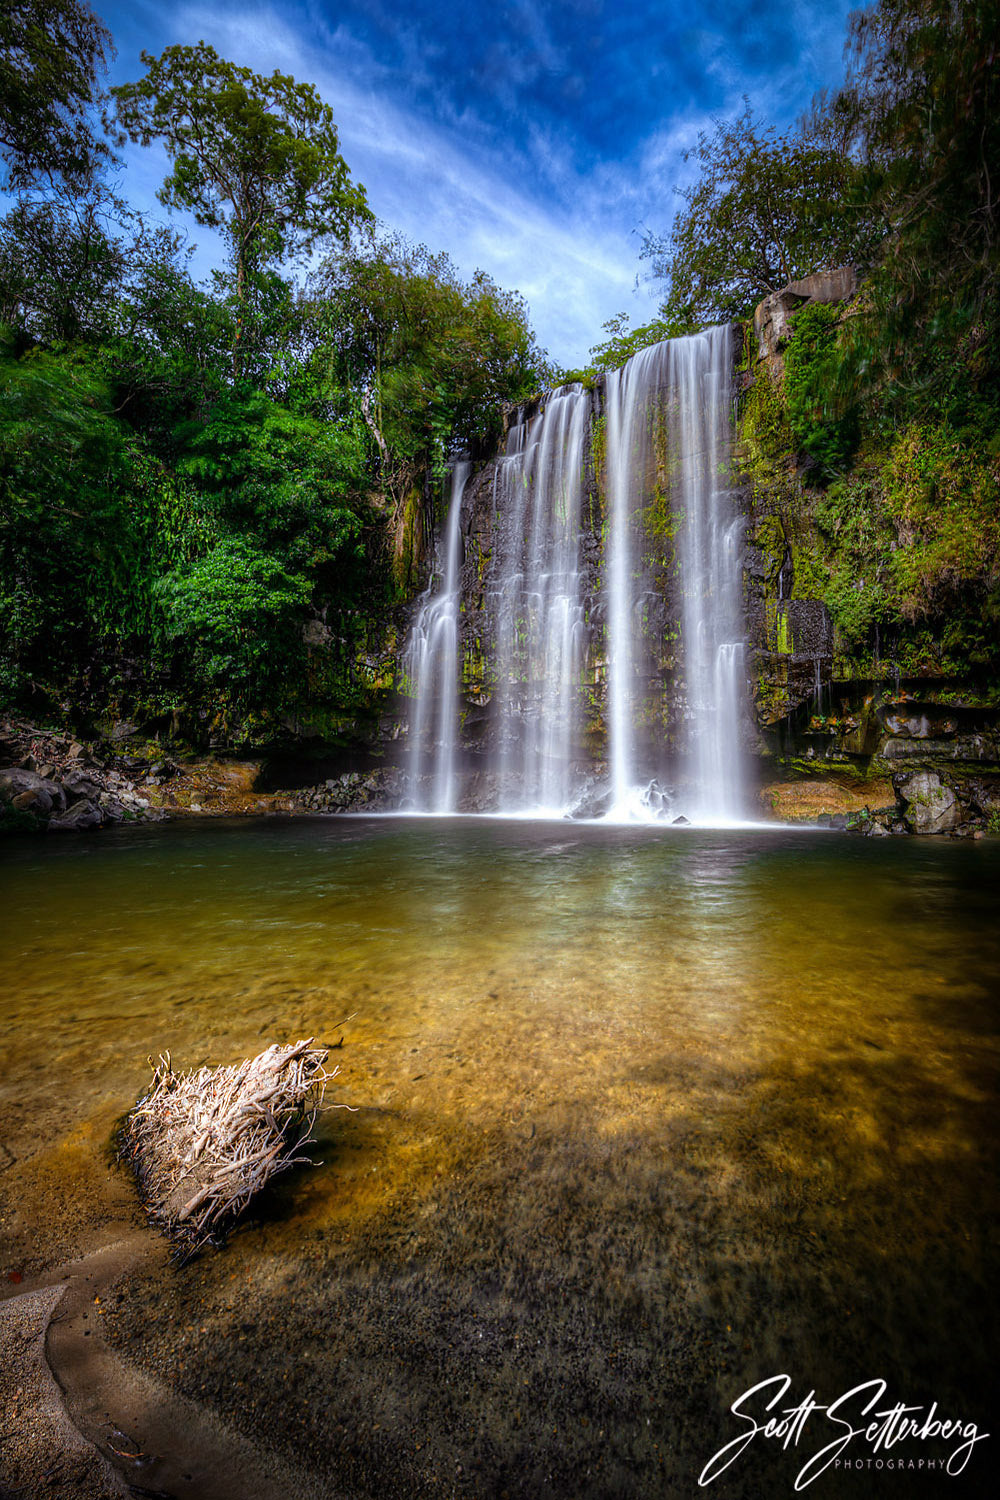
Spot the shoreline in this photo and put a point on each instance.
(51, 783)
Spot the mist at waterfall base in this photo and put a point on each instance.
(563, 634)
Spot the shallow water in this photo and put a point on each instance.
(643, 1115)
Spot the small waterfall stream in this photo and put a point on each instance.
(665, 450)
(434, 669)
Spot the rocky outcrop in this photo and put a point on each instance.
(67, 792)
(928, 805)
(376, 791)
(58, 784)
(772, 317)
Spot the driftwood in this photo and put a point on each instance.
(202, 1144)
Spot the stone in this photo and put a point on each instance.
(15, 779)
(82, 814)
(32, 800)
(928, 806)
(593, 803)
(122, 729)
(772, 317)
(79, 784)
(315, 633)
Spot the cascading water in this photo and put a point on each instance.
(537, 605)
(433, 668)
(665, 445)
(678, 392)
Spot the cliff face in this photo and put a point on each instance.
(866, 598)
(873, 659)
(491, 548)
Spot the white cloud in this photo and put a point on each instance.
(448, 188)
(526, 208)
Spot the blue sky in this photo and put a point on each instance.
(534, 140)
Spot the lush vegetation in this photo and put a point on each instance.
(212, 496)
(879, 448)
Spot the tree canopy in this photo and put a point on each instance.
(256, 158)
(920, 111)
(766, 209)
(51, 54)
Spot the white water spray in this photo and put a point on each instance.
(433, 668)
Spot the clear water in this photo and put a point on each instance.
(643, 1115)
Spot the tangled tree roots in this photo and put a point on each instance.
(202, 1144)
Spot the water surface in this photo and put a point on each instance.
(642, 1116)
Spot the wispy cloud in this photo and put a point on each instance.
(536, 143)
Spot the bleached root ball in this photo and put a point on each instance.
(202, 1144)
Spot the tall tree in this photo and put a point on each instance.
(256, 158)
(920, 109)
(766, 209)
(51, 53)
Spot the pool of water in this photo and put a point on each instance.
(641, 1116)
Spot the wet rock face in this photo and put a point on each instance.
(928, 805)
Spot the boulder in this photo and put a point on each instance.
(82, 814)
(928, 805)
(15, 781)
(772, 317)
(594, 801)
(35, 800)
(78, 784)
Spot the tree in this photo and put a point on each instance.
(256, 158)
(51, 52)
(767, 209)
(433, 359)
(623, 341)
(920, 109)
(63, 263)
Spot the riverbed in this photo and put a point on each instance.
(634, 1118)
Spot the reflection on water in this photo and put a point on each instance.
(721, 1100)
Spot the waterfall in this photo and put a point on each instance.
(712, 580)
(667, 414)
(620, 624)
(433, 669)
(536, 606)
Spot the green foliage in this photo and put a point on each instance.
(766, 209)
(920, 109)
(811, 370)
(944, 500)
(238, 616)
(622, 341)
(436, 356)
(256, 158)
(286, 478)
(51, 52)
(86, 521)
(433, 359)
(768, 443)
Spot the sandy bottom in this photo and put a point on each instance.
(638, 1121)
